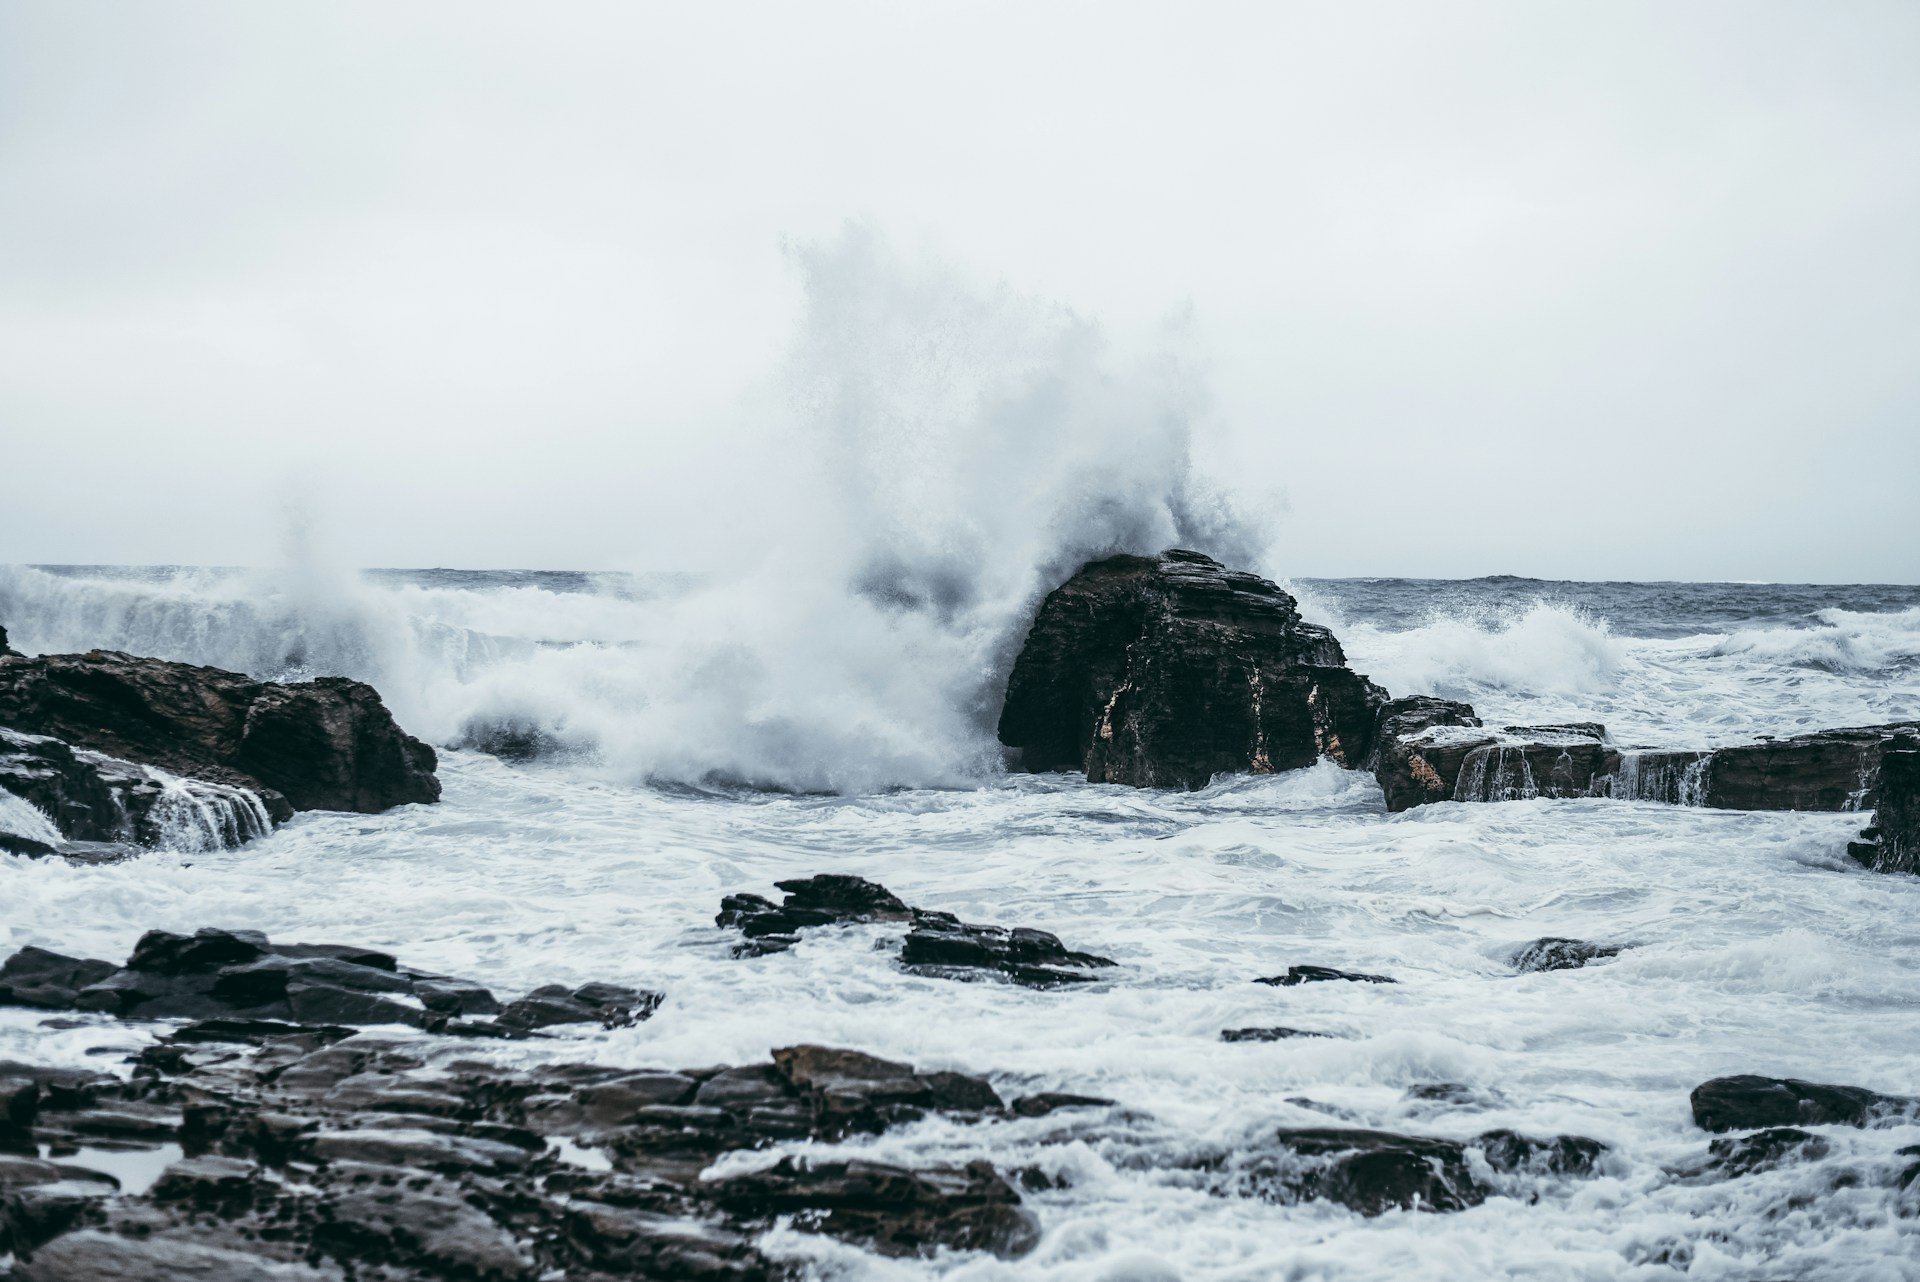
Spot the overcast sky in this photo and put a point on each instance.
(1603, 290)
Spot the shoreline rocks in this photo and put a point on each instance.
(1748, 1102)
(240, 978)
(1165, 671)
(325, 744)
(310, 1153)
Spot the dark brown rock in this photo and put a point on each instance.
(1165, 671)
(326, 744)
(1826, 770)
(1747, 1102)
(1419, 745)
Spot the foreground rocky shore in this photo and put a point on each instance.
(265, 1132)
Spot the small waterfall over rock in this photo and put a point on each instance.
(193, 815)
(1675, 778)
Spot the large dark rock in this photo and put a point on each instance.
(1165, 671)
(936, 943)
(326, 744)
(1747, 1102)
(1892, 842)
(240, 979)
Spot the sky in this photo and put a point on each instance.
(1573, 290)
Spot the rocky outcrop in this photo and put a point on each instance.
(1419, 745)
(1892, 842)
(238, 977)
(1747, 1102)
(326, 744)
(312, 1153)
(1165, 671)
(936, 943)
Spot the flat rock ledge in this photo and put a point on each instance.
(1165, 671)
(325, 744)
(936, 943)
(1429, 750)
(240, 978)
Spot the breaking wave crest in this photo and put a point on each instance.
(1845, 641)
(1545, 648)
(955, 451)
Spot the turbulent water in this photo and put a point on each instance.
(1756, 945)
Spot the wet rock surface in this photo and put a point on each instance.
(1826, 770)
(239, 977)
(1748, 1102)
(936, 943)
(1419, 744)
(1374, 1172)
(1554, 953)
(1892, 842)
(1272, 1033)
(309, 1153)
(1165, 671)
(325, 744)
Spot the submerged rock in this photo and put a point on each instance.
(1892, 842)
(325, 744)
(936, 943)
(1165, 671)
(1321, 974)
(1551, 953)
(239, 977)
(1273, 1033)
(1748, 1102)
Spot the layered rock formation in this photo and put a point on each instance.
(326, 744)
(1431, 749)
(1165, 671)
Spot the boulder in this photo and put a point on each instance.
(1165, 671)
(1892, 842)
(1419, 745)
(1747, 1102)
(326, 744)
(95, 800)
(1825, 770)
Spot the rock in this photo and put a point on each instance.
(1747, 1102)
(608, 1005)
(1762, 1150)
(1272, 1034)
(941, 944)
(36, 977)
(1552, 953)
(326, 744)
(1826, 770)
(1510, 1152)
(1892, 843)
(1524, 762)
(1165, 671)
(90, 797)
(242, 987)
(93, 1256)
(1369, 1171)
(1321, 974)
(826, 900)
(936, 943)
(1420, 742)
(896, 1211)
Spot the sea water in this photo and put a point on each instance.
(685, 755)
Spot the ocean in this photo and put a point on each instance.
(684, 738)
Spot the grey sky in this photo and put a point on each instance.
(1573, 290)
